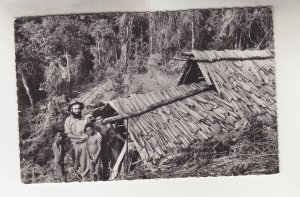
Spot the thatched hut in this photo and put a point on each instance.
(217, 91)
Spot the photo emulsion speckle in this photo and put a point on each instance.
(146, 95)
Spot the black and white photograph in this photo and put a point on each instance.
(113, 96)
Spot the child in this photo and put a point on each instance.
(93, 144)
(58, 157)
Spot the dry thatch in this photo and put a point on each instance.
(170, 128)
(246, 79)
(244, 84)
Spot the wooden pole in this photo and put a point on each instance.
(26, 86)
(127, 154)
(118, 162)
(156, 105)
(191, 56)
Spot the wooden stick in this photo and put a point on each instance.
(127, 155)
(254, 57)
(118, 162)
(136, 162)
(156, 105)
(174, 58)
(178, 59)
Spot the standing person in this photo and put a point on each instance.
(110, 143)
(74, 128)
(57, 149)
(93, 151)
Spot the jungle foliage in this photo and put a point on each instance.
(59, 57)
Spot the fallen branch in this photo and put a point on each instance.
(173, 58)
(33, 141)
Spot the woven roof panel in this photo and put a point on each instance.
(169, 128)
(247, 81)
(245, 86)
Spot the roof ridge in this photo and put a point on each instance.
(232, 55)
(185, 94)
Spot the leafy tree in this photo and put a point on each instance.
(105, 50)
(29, 58)
(243, 28)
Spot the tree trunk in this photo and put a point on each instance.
(193, 30)
(150, 33)
(125, 29)
(99, 55)
(235, 41)
(136, 58)
(67, 58)
(115, 51)
(26, 86)
(72, 72)
(141, 42)
(240, 41)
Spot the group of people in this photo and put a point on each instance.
(92, 143)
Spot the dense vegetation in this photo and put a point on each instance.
(59, 58)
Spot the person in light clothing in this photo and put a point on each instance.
(74, 128)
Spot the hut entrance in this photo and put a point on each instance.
(192, 74)
(119, 142)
